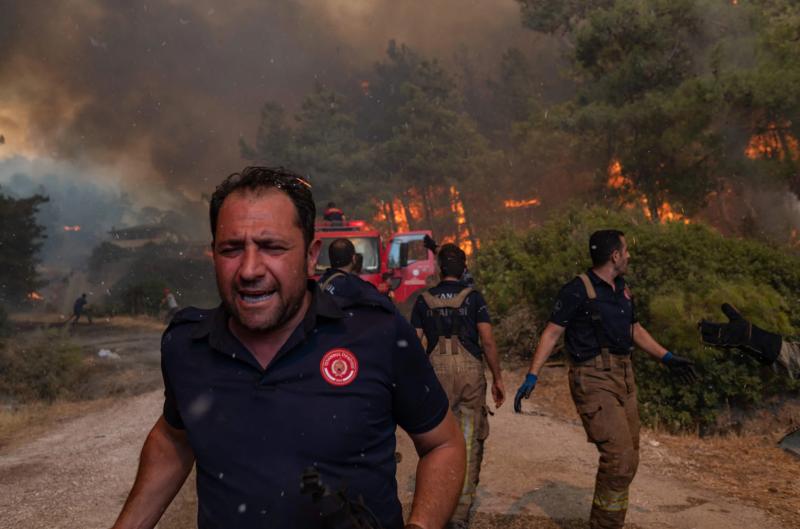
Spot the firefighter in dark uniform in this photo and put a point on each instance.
(340, 280)
(281, 384)
(453, 321)
(596, 311)
(333, 214)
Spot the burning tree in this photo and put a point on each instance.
(21, 238)
(640, 100)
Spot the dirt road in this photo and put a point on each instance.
(538, 473)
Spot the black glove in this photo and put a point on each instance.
(764, 346)
(429, 243)
(681, 368)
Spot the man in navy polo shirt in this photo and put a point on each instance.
(596, 310)
(340, 279)
(280, 378)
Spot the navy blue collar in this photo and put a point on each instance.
(596, 280)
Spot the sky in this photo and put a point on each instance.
(151, 97)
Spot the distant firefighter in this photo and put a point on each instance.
(333, 214)
(79, 308)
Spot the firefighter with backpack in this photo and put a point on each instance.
(453, 322)
(596, 310)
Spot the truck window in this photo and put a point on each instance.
(366, 246)
(416, 250)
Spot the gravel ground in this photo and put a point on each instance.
(538, 473)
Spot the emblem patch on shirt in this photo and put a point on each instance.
(339, 367)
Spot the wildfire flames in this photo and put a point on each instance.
(72, 228)
(403, 213)
(35, 296)
(522, 203)
(617, 180)
(463, 235)
(772, 144)
(395, 210)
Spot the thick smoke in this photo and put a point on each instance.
(163, 90)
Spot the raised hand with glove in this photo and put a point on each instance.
(739, 333)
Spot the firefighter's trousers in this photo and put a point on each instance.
(461, 375)
(605, 396)
(789, 357)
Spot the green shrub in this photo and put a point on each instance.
(42, 366)
(151, 268)
(679, 275)
(142, 298)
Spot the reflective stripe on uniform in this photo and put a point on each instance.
(468, 429)
(611, 500)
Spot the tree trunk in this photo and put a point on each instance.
(409, 218)
(426, 203)
(470, 228)
(388, 208)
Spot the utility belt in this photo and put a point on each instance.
(603, 361)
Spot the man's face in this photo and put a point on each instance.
(621, 258)
(260, 258)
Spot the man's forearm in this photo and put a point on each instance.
(490, 350)
(164, 464)
(647, 343)
(439, 480)
(547, 342)
(493, 361)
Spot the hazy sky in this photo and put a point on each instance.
(159, 92)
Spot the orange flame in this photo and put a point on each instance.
(72, 228)
(463, 233)
(616, 180)
(400, 219)
(522, 203)
(35, 296)
(768, 145)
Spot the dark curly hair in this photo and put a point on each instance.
(295, 186)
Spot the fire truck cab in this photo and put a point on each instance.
(401, 266)
(409, 264)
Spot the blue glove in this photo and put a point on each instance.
(525, 391)
(682, 369)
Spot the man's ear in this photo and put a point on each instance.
(312, 254)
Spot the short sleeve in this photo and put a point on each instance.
(418, 313)
(171, 413)
(481, 308)
(569, 300)
(419, 401)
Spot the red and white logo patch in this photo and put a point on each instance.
(339, 367)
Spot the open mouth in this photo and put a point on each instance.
(255, 297)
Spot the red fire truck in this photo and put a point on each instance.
(401, 265)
